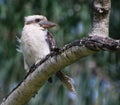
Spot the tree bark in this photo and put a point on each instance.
(97, 40)
(101, 15)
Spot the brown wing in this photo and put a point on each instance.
(66, 80)
(51, 41)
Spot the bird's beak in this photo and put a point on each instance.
(46, 24)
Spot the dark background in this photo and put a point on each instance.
(96, 78)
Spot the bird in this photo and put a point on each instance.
(37, 42)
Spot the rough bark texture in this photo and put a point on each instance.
(56, 61)
(101, 14)
(72, 52)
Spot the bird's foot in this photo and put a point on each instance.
(56, 49)
(33, 67)
(50, 80)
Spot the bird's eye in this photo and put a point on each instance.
(37, 20)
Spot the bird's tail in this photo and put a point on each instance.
(66, 80)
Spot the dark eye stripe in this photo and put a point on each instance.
(37, 20)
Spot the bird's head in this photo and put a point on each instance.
(39, 20)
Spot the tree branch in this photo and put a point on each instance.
(97, 40)
(52, 63)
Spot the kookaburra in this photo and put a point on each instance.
(36, 42)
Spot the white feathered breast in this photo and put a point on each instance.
(33, 44)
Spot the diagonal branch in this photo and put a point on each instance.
(72, 52)
(52, 63)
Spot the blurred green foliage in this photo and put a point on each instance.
(97, 78)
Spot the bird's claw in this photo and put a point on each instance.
(56, 49)
(33, 67)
